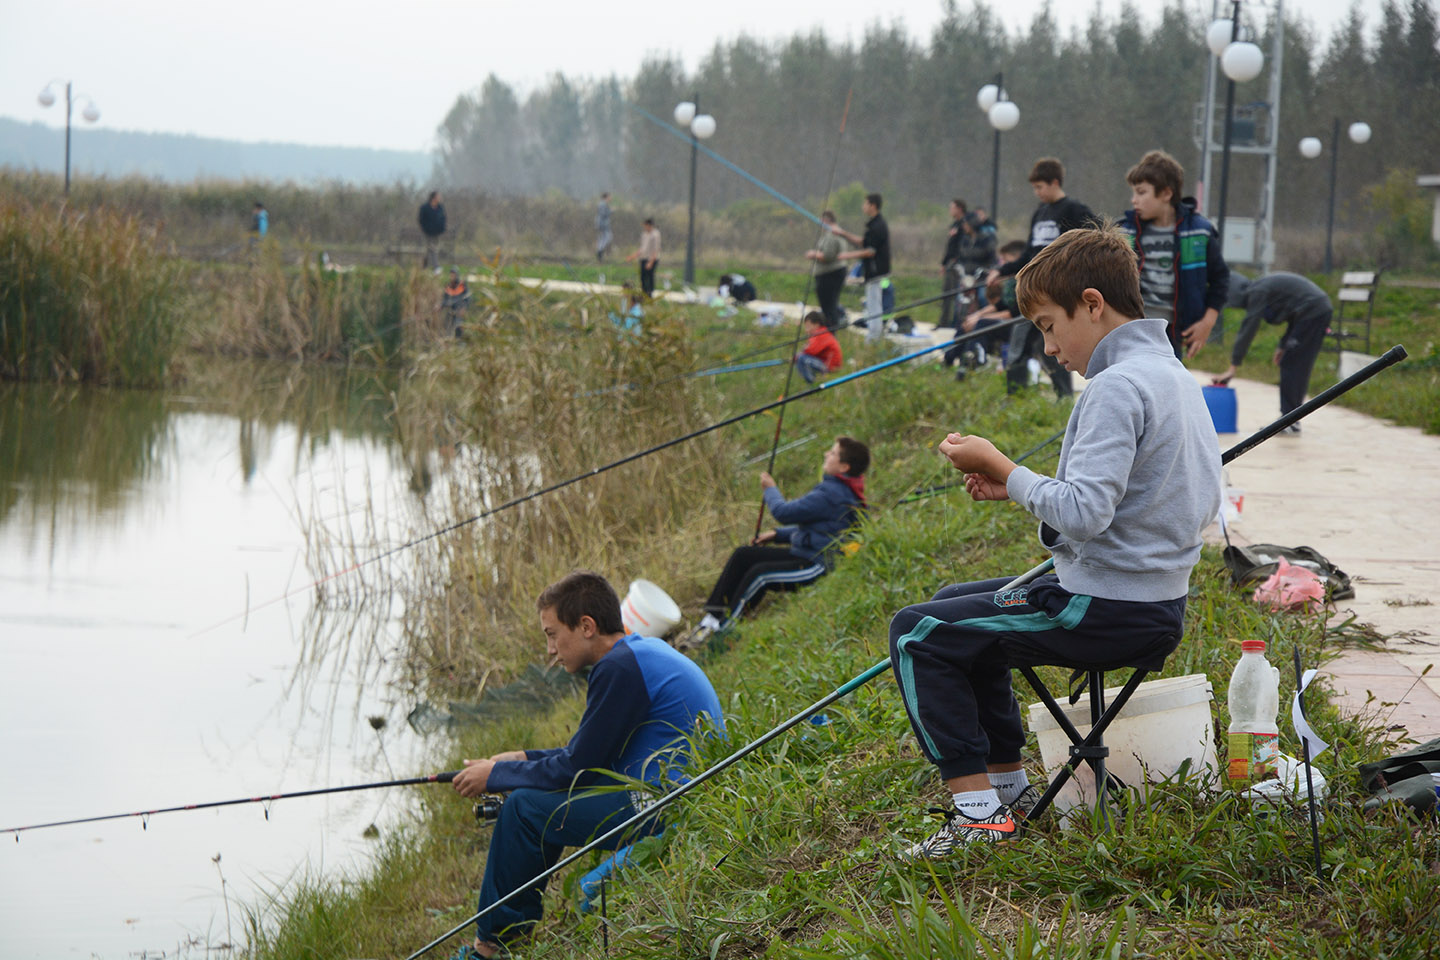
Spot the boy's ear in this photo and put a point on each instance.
(1166, 196)
(1093, 301)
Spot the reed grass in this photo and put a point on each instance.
(84, 297)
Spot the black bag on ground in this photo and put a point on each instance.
(1406, 777)
(1254, 564)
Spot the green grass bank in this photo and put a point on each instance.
(790, 853)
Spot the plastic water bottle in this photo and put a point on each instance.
(1254, 702)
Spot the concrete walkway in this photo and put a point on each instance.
(1364, 493)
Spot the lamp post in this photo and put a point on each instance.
(701, 127)
(1310, 148)
(1003, 115)
(1241, 61)
(91, 113)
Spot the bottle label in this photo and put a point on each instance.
(1253, 757)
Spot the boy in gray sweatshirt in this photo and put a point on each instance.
(1138, 479)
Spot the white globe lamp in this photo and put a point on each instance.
(703, 126)
(1242, 61)
(684, 113)
(987, 97)
(1004, 115)
(46, 98)
(1360, 132)
(1217, 36)
(1310, 147)
(90, 113)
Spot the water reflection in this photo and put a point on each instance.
(128, 521)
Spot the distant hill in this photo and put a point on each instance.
(182, 158)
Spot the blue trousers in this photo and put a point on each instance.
(952, 657)
(810, 367)
(534, 828)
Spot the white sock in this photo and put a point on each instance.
(977, 804)
(710, 622)
(1009, 785)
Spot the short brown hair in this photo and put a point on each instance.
(1048, 170)
(854, 455)
(583, 593)
(1161, 171)
(815, 317)
(875, 200)
(1014, 248)
(1077, 259)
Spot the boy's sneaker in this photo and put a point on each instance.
(1023, 804)
(1293, 429)
(959, 831)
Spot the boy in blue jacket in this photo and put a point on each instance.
(644, 699)
(1138, 479)
(1183, 276)
(799, 552)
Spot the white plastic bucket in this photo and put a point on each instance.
(648, 610)
(1166, 723)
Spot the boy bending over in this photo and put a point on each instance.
(1139, 478)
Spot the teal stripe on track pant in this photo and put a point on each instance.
(952, 657)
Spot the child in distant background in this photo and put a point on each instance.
(822, 352)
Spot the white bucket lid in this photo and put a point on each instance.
(1152, 696)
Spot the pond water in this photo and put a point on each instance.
(136, 531)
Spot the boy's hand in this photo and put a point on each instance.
(764, 537)
(1195, 335)
(981, 487)
(766, 481)
(472, 781)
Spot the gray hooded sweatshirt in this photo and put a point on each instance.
(1139, 474)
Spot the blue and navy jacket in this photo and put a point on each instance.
(1201, 277)
(815, 521)
(644, 699)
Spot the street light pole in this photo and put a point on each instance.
(995, 163)
(690, 230)
(90, 113)
(1003, 114)
(1310, 148)
(1229, 124)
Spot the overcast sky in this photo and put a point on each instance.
(383, 74)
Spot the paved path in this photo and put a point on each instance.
(1364, 493)
(1360, 490)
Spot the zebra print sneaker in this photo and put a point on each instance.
(959, 831)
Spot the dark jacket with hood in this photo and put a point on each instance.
(814, 522)
(1202, 280)
(432, 219)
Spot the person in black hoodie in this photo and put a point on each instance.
(801, 550)
(950, 264)
(432, 224)
(1056, 214)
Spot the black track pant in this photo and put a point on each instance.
(952, 657)
(751, 571)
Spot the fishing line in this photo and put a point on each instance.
(265, 801)
(800, 321)
(596, 471)
(673, 131)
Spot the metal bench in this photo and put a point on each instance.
(1357, 293)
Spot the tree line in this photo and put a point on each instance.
(1097, 97)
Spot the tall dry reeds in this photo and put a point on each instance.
(507, 414)
(84, 297)
(271, 308)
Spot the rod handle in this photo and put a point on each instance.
(446, 777)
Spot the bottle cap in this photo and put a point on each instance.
(1252, 646)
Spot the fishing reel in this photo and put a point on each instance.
(487, 810)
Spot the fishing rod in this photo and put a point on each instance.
(445, 777)
(790, 342)
(694, 375)
(1393, 355)
(605, 468)
(800, 320)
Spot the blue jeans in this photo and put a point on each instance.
(809, 366)
(534, 828)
